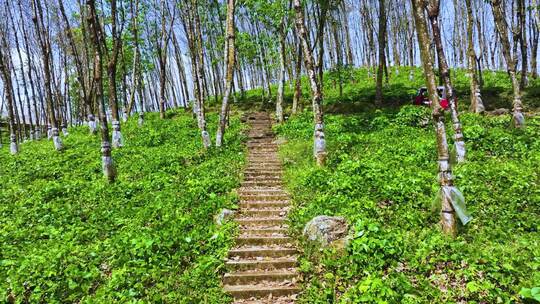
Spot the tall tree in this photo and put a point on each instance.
(8, 91)
(477, 106)
(117, 139)
(109, 169)
(46, 52)
(230, 61)
(319, 146)
(433, 8)
(382, 47)
(511, 63)
(448, 219)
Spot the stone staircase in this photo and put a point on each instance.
(262, 266)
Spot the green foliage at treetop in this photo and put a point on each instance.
(68, 236)
(381, 175)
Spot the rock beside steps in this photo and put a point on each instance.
(262, 266)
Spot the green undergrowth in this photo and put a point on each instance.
(67, 236)
(381, 176)
(358, 93)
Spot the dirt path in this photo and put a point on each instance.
(262, 266)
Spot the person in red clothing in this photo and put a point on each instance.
(422, 98)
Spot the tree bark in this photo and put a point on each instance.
(502, 29)
(319, 147)
(8, 91)
(433, 13)
(448, 220)
(297, 99)
(109, 169)
(46, 56)
(477, 106)
(281, 84)
(230, 60)
(382, 57)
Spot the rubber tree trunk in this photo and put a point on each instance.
(281, 84)
(319, 146)
(459, 143)
(382, 56)
(109, 169)
(500, 23)
(297, 98)
(117, 139)
(8, 91)
(44, 42)
(230, 59)
(448, 218)
(477, 106)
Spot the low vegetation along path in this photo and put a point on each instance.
(262, 266)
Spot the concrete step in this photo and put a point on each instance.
(270, 264)
(261, 213)
(260, 251)
(263, 231)
(261, 183)
(262, 178)
(256, 277)
(272, 172)
(262, 240)
(263, 291)
(263, 197)
(261, 222)
(255, 204)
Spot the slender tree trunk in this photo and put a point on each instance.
(8, 91)
(134, 7)
(46, 56)
(448, 219)
(109, 169)
(382, 57)
(281, 84)
(477, 106)
(297, 99)
(230, 60)
(502, 29)
(162, 52)
(23, 76)
(522, 28)
(319, 148)
(117, 139)
(459, 143)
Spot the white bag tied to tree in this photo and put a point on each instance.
(519, 119)
(206, 139)
(56, 139)
(109, 169)
(460, 151)
(455, 196)
(37, 135)
(117, 138)
(319, 147)
(13, 148)
(92, 125)
(49, 132)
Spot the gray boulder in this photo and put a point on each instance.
(224, 216)
(325, 230)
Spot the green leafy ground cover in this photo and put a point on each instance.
(69, 237)
(381, 175)
(359, 88)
